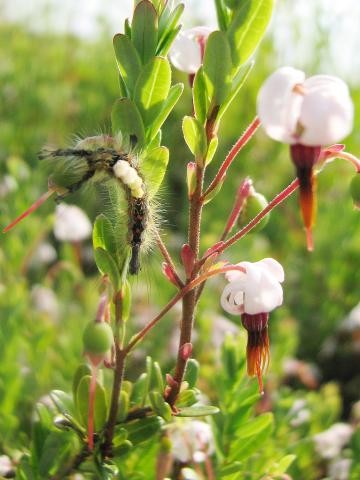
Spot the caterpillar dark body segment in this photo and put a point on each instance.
(138, 221)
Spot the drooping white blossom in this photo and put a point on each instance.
(256, 291)
(313, 111)
(71, 224)
(187, 51)
(330, 442)
(191, 440)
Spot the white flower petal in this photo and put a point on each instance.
(327, 115)
(71, 224)
(278, 106)
(228, 301)
(274, 267)
(185, 53)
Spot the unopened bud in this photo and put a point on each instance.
(253, 205)
(355, 190)
(186, 350)
(169, 274)
(188, 259)
(98, 338)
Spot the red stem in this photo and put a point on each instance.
(92, 391)
(246, 136)
(241, 196)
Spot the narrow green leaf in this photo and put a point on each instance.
(167, 24)
(167, 106)
(153, 167)
(139, 393)
(192, 372)
(104, 234)
(107, 266)
(126, 301)
(214, 142)
(281, 467)
(144, 30)
(164, 48)
(100, 404)
(250, 436)
(152, 88)
(141, 430)
(128, 61)
(217, 67)
(195, 136)
(220, 13)
(230, 469)
(80, 372)
(127, 121)
(124, 403)
(55, 451)
(159, 406)
(238, 82)
(247, 28)
(62, 401)
(187, 398)
(200, 96)
(157, 378)
(198, 411)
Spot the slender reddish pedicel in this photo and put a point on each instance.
(33, 207)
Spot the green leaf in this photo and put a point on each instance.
(221, 15)
(192, 372)
(198, 411)
(247, 28)
(167, 106)
(251, 437)
(200, 96)
(238, 82)
(140, 390)
(153, 167)
(104, 235)
(157, 378)
(142, 429)
(166, 44)
(126, 301)
(195, 136)
(160, 407)
(144, 30)
(214, 142)
(152, 88)
(281, 467)
(107, 266)
(167, 24)
(124, 403)
(62, 401)
(186, 398)
(217, 67)
(128, 61)
(230, 469)
(126, 120)
(82, 403)
(55, 451)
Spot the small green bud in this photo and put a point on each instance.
(253, 205)
(355, 190)
(98, 338)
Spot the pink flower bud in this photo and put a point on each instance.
(191, 178)
(188, 259)
(186, 350)
(169, 274)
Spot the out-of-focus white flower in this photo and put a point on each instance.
(45, 301)
(313, 111)
(339, 469)
(256, 291)
(187, 51)
(7, 185)
(71, 224)
(6, 466)
(329, 443)
(352, 321)
(44, 254)
(192, 440)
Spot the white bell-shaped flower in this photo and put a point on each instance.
(186, 53)
(314, 111)
(255, 291)
(71, 224)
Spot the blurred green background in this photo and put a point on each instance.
(55, 84)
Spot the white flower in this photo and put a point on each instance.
(187, 51)
(44, 254)
(339, 469)
(45, 301)
(6, 466)
(256, 291)
(191, 441)
(314, 111)
(71, 224)
(329, 443)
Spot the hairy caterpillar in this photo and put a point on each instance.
(102, 159)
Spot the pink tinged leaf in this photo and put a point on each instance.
(186, 350)
(188, 259)
(169, 274)
(33, 207)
